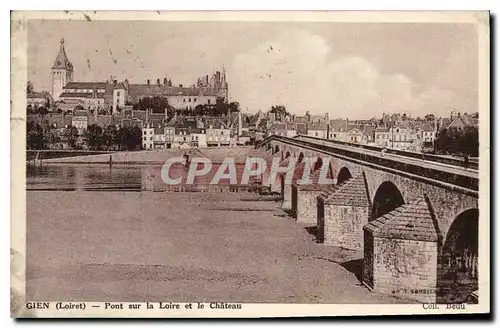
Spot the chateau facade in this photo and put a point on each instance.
(112, 96)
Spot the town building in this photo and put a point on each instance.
(402, 137)
(159, 137)
(88, 95)
(428, 134)
(382, 136)
(217, 134)
(169, 136)
(317, 129)
(198, 137)
(39, 99)
(355, 135)
(338, 129)
(147, 136)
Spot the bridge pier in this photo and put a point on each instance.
(304, 199)
(342, 213)
(274, 186)
(287, 196)
(401, 253)
(287, 187)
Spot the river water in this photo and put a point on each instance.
(83, 177)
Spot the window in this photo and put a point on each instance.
(184, 100)
(194, 99)
(150, 138)
(118, 94)
(189, 99)
(209, 101)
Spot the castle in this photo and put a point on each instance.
(113, 95)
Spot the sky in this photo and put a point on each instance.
(348, 70)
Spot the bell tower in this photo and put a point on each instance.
(62, 72)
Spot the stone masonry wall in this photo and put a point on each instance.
(344, 226)
(405, 268)
(368, 259)
(320, 212)
(287, 197)
(294, 200)
(307, 206)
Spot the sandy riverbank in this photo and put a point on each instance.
(137, 246)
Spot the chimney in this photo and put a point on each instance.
(158, 81)
(180, 85)
(149, 82)
(165, 81)
(115, 82)
(125, 83)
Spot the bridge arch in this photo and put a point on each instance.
(458, 260)
(344, 175)
(318, 164)
(387, 198)
(300, 158)
(287, 154)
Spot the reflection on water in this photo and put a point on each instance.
(119, 178)
(84, 177)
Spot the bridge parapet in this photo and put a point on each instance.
(449, 175)
(473, 163)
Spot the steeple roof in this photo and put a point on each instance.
(62, 61)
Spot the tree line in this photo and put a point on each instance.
(40, 136)
(461, 142)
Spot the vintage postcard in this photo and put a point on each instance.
(249, 164)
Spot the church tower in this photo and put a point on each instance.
(224, 86)
(62, 72)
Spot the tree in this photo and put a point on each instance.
(130, 137)
(458, 141)
(110, 136)
(280, 112)
(430, 117)
(71, 135)
(94, 136)
(35, 138)
(42, 111)
(234, 106)
(156, 104)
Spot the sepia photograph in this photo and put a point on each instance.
(249, 164)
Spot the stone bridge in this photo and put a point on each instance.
(414, 216)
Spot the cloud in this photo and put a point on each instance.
(301, 71)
